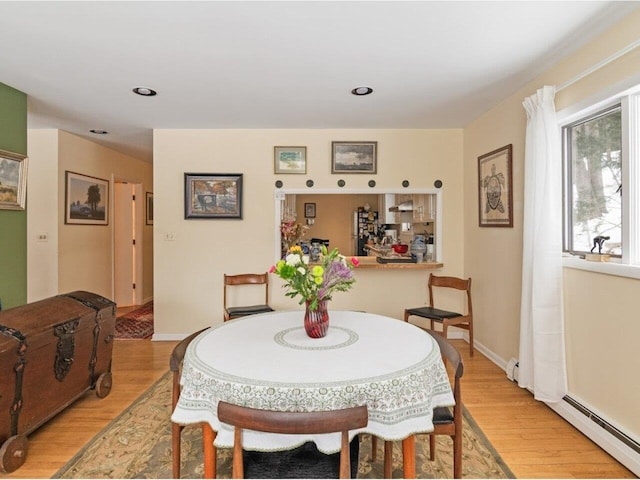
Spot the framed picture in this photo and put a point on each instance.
(13, 180)
(213, 195)
(86, 200)
(354, 157)
(149, 208)
(495, 188)
(309, 210)
(290, 160)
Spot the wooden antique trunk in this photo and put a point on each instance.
(51, 352)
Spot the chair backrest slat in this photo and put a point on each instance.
(292, 423)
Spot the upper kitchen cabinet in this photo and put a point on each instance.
(424, 207)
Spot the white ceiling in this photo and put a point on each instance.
(266, 64)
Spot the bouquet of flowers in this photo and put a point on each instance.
(292, 232)
(318, 282)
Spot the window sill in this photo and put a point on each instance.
(607, 268)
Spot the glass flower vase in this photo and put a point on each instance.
(316, 322)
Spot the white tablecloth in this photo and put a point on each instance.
(268, 362)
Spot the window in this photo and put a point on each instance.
(601, 181)
(593, 187)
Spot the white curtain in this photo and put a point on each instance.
(542, 366)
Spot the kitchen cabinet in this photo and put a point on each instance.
(385, 201)
(403, 216)
(423, 208)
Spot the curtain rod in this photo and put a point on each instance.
(599, 65)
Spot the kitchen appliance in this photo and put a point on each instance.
(364, 227)
(402, 207)
(390, 237)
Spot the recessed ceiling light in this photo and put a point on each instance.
(99, 132)
(360, 91)
(145, 91)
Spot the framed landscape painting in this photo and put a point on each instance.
(354, 157)
(495, 188)
(290, 160)
(86, 200)
(13, 180)
(213, 195)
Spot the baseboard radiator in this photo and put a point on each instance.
(621, 436)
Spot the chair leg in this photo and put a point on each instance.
(471, 339)
(176, 431)
(457, 456)
(388, 458)
(406, 315)
(374, 447)
(432, 447)
(209, 450)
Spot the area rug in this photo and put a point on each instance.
(137, 444)
(136, 324)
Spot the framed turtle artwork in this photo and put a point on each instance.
(495, 194)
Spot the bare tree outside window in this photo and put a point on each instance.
(594, 183)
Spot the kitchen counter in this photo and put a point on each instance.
(372, 263)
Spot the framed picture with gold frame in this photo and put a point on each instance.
(13, 180)
(290, 160)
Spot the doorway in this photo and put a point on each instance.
(127, 257)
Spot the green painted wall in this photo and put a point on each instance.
(13, 223)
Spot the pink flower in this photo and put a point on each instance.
(355, 261)
(272, 269)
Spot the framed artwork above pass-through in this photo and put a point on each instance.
(354, 157)
(290, 160)
(495, 191)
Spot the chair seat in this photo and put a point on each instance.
(442, 415)
(433, 313)
(248, 310)
(305, 461)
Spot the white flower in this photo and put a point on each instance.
(302, 270)
(293, 259)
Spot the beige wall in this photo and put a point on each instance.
(189, 270)
(76, 257)
(42, 222)
(598, 333)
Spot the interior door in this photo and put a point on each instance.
(124, 244)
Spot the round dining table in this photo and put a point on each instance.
(267, 361)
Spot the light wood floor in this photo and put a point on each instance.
(532, 439)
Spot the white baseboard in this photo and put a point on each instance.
(610, 444)
(605, 440)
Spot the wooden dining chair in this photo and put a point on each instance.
(446, 421)
(294, 423)
(175, 365)
(445, 317)
(231, 312)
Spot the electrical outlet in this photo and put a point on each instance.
(169, 237)
(43, 237)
